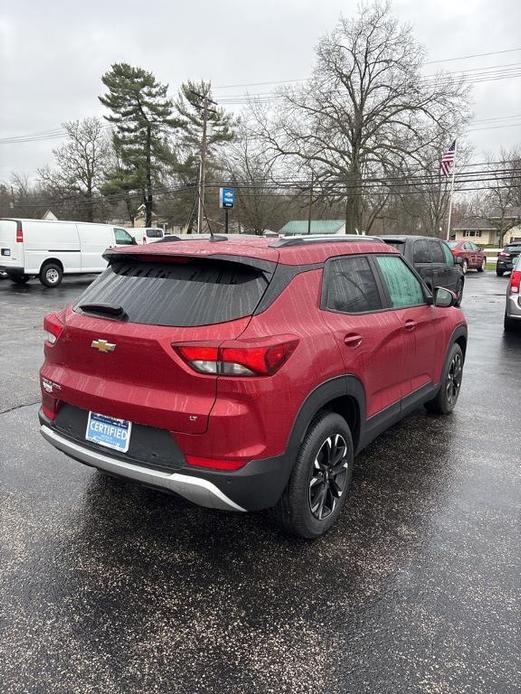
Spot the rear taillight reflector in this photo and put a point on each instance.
(53, 327)
(19, 232)
(236, 359)
(215, 463)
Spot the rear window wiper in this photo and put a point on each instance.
(105, 310)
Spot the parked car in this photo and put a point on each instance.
(513, 299)
(148, 234)
(507, 257)
(472, 257)
(49, 250)
(433, 261)
(245, 373)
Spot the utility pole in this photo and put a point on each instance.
(202, 164)
(310, 201)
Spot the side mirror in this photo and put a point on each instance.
(444, 297)
(458, 260)
(133, 242)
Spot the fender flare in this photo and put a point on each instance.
(337, 387)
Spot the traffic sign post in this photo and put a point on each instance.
(226, 202)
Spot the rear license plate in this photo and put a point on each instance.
(109, 431)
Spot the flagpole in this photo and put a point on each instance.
(451, 191)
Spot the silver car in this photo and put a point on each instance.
(513, 303)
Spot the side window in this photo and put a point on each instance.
(122, 237)
(403, 286)
(436, 252)
(449, 258)
(467, 246)
(421, 252)
(351, 286)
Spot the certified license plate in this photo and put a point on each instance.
(109, 431)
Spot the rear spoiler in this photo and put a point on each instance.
(113, 256)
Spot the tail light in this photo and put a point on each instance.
(515, 281)
(19, 232)
(503, 254)
(236, 359)
(215, 463)
(53, 327)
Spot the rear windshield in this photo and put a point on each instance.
(154, 233)
(513, 249)
(452, 244)
(399, 245)
(187, 293)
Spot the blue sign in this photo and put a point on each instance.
(226, 197)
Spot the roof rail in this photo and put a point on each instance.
(299, 240)
(167, 238)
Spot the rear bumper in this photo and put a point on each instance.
(513, 307)
(257, 485)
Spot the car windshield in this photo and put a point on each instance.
(452, 244)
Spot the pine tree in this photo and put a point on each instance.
(142, 115)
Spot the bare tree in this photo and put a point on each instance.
(366, 112)
(81, 163)
(503, 198)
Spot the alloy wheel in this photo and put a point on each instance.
(329, 476)
(454, 376)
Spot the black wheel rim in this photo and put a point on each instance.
(329, 476)
(454, 379)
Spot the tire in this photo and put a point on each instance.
(509, 325)
(314, 498)
(482, 267)
(450, 385)
(500, 273)
(465, 266)
(459, 293)
(51, 275)
(19, 279)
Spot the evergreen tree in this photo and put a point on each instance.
(142, 115)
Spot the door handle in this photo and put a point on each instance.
(353, 340)
(410, 325)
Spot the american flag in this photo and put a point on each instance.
(447, 159)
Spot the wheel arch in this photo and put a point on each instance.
(344, 395)
(51, 260)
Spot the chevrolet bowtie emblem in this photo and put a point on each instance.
(103, 345)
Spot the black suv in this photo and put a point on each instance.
(433, 261)
(506, 257)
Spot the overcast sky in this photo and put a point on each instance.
(52, 55)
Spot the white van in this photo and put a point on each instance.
(147, 234)
(49, 250)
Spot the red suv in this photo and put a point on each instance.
(245, 373)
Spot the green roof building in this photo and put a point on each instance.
(299, 227)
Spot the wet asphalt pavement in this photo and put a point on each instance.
(106, 586)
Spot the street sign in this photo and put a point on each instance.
(226, 197)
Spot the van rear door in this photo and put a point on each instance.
(11, 250)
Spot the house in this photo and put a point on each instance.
(299, 227)
(477, 229)
(485, 231)
(49, 216)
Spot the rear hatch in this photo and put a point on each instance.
(11, 250)
(115, 354)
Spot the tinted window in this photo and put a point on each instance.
(186, 293)
(351, 286)
(122, 237)
(421, 251)
(513, 249)
(403, 286)
(399, 245)
(436, 252)
(449, 258)
(154, 233)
